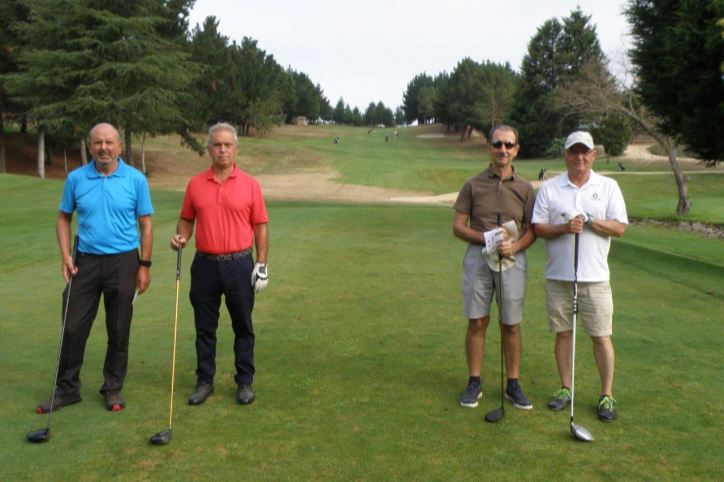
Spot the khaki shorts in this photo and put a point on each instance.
(480, 282)
(595, 306)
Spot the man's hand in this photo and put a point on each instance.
(259, 277)
(575, 220)
(68, 268)
(177, 241)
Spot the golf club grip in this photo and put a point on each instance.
(178, 263)
(75, 248)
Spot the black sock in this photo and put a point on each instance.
(474, 380)
(512, 382)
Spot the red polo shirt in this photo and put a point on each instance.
(224, 213)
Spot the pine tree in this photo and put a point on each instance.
(678, 51)
(88, 61)
(556, 52)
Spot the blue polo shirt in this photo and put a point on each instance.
(108, 207)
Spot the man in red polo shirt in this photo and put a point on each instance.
(227, 207)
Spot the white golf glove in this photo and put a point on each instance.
(573, 213)
(259, 277)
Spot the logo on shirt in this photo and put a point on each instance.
(595, 197)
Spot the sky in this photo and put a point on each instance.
(369, 50)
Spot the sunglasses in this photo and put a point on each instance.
(499, 144)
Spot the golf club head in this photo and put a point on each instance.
(38, 436)
(581, 433)
(495, 415)
(162, 438)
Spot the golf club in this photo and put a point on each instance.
(43, 434)
(498, 414)
(164, 437)
(579, 432)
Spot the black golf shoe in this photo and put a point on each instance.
(202, 392)
(606, 408)
(61, 399)
(561, 399)
(244, 394)
(471, 395)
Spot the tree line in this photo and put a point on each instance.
(68, 64)
(673, 90)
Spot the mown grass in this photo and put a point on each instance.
(360, 361)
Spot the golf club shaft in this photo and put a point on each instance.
(62, 330)
(175, 329)
(575, 313)
(500, 316)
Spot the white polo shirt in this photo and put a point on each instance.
(600, 197)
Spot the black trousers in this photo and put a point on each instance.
(209, 280)
(114, 276)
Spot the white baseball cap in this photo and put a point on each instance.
(579, 137)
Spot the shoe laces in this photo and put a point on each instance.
(562, 393)
(606, 402)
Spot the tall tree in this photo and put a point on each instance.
(212, 87)
(12, 14)
(466, 96)
(499, 85)
(678, 47)
(338, 116)
(555, 53)
(410, 100)
(595, 96)
(87, 61)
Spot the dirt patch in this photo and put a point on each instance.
(321, 185)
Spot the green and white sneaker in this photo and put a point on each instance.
(606, 408)
(561, 399)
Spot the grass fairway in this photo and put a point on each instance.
(360, 361)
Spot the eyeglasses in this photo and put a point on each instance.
(499, 144)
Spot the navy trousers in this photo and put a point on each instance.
(209, 280)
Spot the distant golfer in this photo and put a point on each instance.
(227, 207)
(113, 203)
(498, 189)
(580, 201)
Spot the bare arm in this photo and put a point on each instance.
(462, 231)
(143, 275)
(184, 231)
(261, 240)
(607, 227)
(62, 231)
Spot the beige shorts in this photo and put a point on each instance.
(595, 307)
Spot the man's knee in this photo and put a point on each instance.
(477, 325)
(511, 329)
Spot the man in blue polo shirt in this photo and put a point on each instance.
(113, 204)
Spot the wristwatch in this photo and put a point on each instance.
(589, 219)
(144, 262)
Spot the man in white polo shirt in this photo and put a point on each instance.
(580, 201)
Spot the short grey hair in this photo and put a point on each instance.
(222, 126)
(503, 127)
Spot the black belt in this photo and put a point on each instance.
(225, 257)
